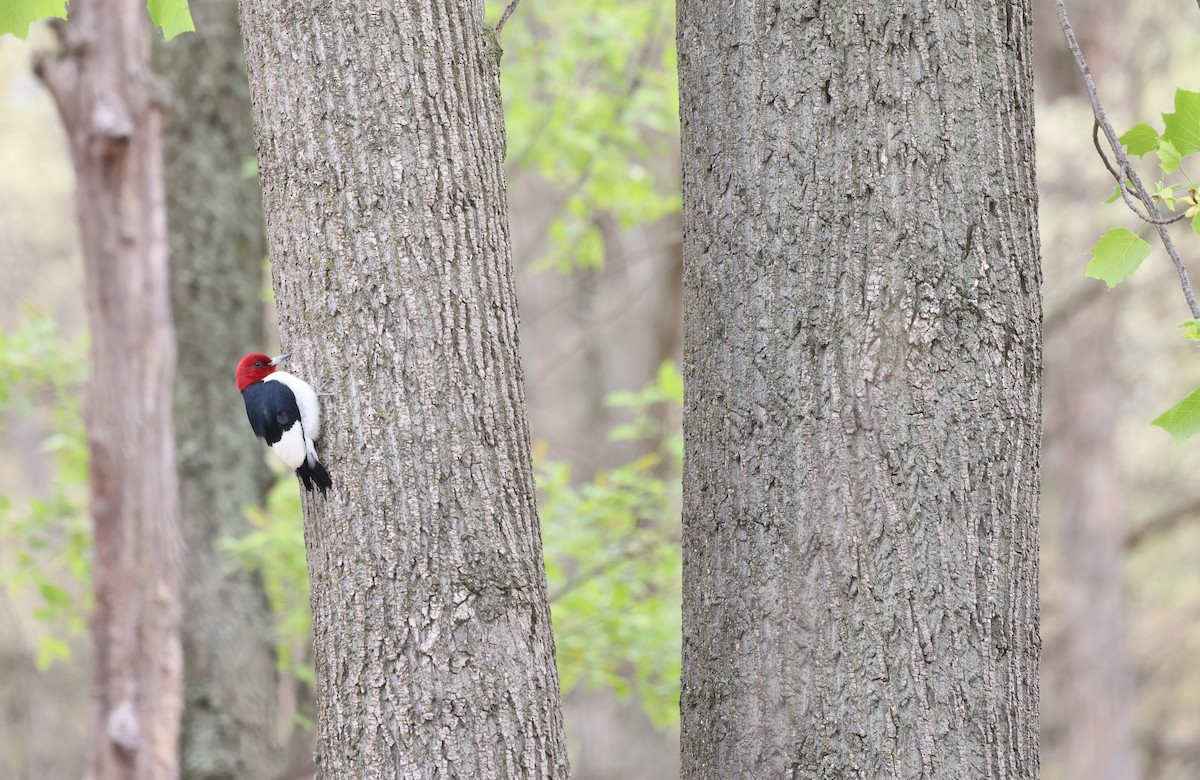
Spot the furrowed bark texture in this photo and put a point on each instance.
(381, 140)
(100, 83)
(862, 363)
(230, 727)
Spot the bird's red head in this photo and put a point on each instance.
(255, 368)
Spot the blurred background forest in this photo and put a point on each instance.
(593, 173)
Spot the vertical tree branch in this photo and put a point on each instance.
(101, 85)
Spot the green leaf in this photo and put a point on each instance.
(51, 650)
(1142, 138)
(1182, 128)
(1182, 420)
(1196, 223)
(1165, 194)
(54, 596)
(671, 381)
(17, 15)
(50, 9)
(172, 16)
(1191, 330)
(1168, 156)
(1117, 254)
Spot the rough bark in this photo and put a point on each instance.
(862, 364)
(380, 139)
(101, 84)
(230, 725)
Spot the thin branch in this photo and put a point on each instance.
(1059, 316)
(58, 71)
(512, 7)
(1126, 170)
(1160, 524)
(620, 558)
(1121, 184)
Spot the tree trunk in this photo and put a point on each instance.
(1096, 702)
(1091, 684)
(862, 363)
(381, 142)
(230, 725)
(101, 84)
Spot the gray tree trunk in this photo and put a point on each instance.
(230, 727)
(381, 141)
(862, 363)
(101, 83)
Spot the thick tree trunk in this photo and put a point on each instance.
(381, 142)
(230, 725)
(101, 83)
(862, 359)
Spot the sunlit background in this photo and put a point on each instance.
(593, 174)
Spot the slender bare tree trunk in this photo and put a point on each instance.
(381, 141)
(101, 83)
(231, 727)
(862, 363)
(1097, 724)
(1092, 683)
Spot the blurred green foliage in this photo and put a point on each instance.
(49, 539)
(613, 559)
(591, 106)
(275, 550)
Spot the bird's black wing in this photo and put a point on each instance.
(271, 408)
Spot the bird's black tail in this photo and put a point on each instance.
(312, 473)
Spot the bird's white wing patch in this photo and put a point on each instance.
(291, 447)
(306, 401)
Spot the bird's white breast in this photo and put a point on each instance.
(306, 401)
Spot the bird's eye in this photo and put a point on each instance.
(258, 364)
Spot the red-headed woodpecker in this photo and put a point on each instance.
(284, 412)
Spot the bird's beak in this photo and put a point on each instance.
(279, 359)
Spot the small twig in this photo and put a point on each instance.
(1126, 170)
(1121, 184)
(513, 6)
(623, 556)
(1167, 521)
(1061, 315)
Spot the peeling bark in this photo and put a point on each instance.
(381, 140)
(863, 372)
(101, 84)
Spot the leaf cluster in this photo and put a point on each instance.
(274, 549)
(592, 109)
(49, 538)
(613, 559)
(1120, 252)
